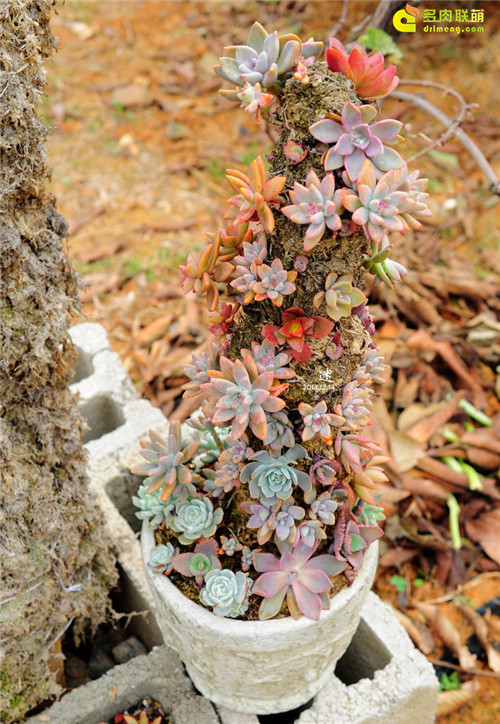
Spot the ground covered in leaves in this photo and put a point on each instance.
(141, 140)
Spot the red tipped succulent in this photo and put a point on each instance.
(367, 72)
(295, 329)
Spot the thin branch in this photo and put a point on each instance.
(474, 672)
(476, 153)
(341, 21)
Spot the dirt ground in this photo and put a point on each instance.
(140, 144)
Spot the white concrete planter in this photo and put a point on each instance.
(257, 667)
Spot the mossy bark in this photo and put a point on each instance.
(56, 566)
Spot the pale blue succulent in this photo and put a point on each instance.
(369, 514)
(153, 508)
(273, 478)
(246, 558)
(161, 556)
(284, 521)
(195, 518)
(324, 508)
(226, 592)
(310, 532)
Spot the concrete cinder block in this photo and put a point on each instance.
(159, 674)
(381, 677)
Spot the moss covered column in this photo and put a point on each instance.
(56, 567)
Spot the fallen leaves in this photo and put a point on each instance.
(450, 701)
(486, 531)
(447, 632)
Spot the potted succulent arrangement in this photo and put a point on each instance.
(260, 526)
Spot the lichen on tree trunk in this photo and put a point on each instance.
(56, 565)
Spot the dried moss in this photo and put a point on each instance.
(56, 563)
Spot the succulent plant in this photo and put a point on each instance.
(166, 463)
(226, 592)
(334, 349)
(255, 196)
(153, 508)
(274, 282)
(260, 515)
(232, 239)
(204, 275)
(351, 541)
(362, 313)
(239, 393)
(373, 367)
(324, 470)
(143, 719)
(355, 406)
(265, 59)
(364, 482)
(160, 559)
(295, 152)
(385, 270)
(340, 296)
(316, 204)
(415, 188)
(227, 472)
(324, 508)
(230, 546)
(366, 72)
(253, 98)
(381, 206)
(246, 559)
(253, 251)
(279, 431)
(199, 562)
(318, 422)
(197, 370)
(351, 448)
(222, 321)
(356, 140)
(369, 514)
(267, 360)
(301, 263)
(294, 331)
(299, 577)
(273, 478)
(195, 518)
(310, 532)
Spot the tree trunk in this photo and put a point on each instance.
(56, 566)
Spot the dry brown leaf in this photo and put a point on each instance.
(481, 631)
(153, 331)
(450, 701)
(447, 632)
(423, 430)
(415, 412)
(405, 451)
(485, 530)
(99, 251)
(448, 476)
(418, 632)
(428, 489)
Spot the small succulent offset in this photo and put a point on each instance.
(255, 195)
(386, 270)
(299, 577)
(294, 331)
(351, 541)
(365, 71)
(152, 508)
(355, 406)
(201, 561)
(161, 558)
(318, 422)
(197, 370)
(166, 467)
(226, 592)
(273, 282)
(204, 275)
(316, 204)
(279, 431)
(267, 360)
(273, 478)
(195, 518)
(340, 296)
(356, 139)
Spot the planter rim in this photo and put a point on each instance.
(226, 625)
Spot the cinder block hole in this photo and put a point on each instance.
(366, 655)
(102, 415)
(84, 367)
(120, 490)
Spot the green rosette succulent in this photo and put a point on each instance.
(226, 592)
(201, 561)
(195, 518)
(152, 508)
(161, 557)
